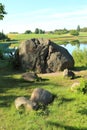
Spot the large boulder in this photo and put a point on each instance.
(43, 56)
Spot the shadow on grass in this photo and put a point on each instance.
(83, 111)
(65, 100)
(7, 100)
(10, 83)
(77, 77)
(7, 83)
(80, 68)
(65, 127)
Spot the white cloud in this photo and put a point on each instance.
(47, 19)
(70, 14)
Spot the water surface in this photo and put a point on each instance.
(71, 47)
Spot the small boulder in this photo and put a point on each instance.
(68, 74)
(22, 101)
(30, 76)
(41, 96)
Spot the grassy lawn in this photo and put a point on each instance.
(67, 112)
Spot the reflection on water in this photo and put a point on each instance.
(6, 50)
(74, 45)
(70, 46)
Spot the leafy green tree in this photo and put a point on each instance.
(74, 32)
(28, 32)
(61, 31)
(2, 11)
(41, 31)
(78, 28)
(37, 31)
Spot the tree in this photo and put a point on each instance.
(61, 31)
(37, 31)
(78, 28)
(2, 11)
(74, 32)
(28, 32)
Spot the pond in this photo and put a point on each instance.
(71, 47)
(6, 50)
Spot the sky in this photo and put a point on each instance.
(47, 15)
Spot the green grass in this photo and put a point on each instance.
(54, 37)
(67, 112)
(59, 39)
(80, 57)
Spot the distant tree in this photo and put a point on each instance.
(61, 31)
(3, 37)
(13, 32)
(83, 29)
(2, 11)
(78, 28)
(41, 31)
(37, 31)
(28, 31)
(74, 32)
(50, 32)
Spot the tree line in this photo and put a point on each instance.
(74, 32)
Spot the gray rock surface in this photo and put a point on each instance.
(68, 74)
(30, 76)
(44, 56)
(42, 96)
(28, 104)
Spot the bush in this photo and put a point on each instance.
(74, 32)
(61, 31)
(82, 87)
(80, 57)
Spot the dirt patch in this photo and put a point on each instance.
(51, 74)
(82, 73)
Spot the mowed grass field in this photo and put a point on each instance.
(67, 112)
(54, 37)
(16, 39)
